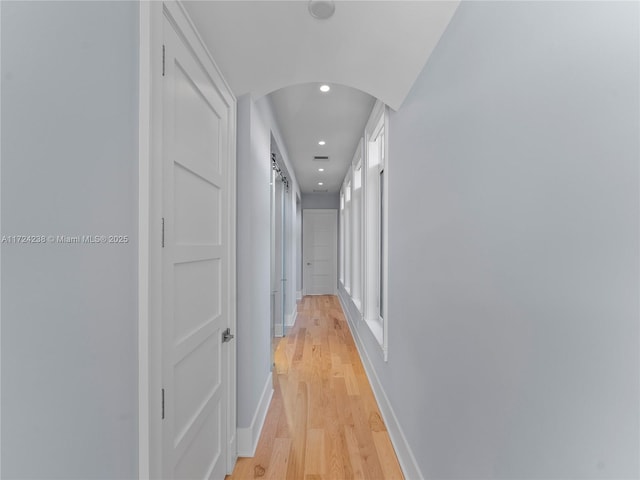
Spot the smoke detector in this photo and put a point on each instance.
(321, 9)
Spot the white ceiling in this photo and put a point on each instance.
(306, 116)
(377, 47)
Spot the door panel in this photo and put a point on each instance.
(195, 197)
(197, 300)
(320, 251)
(195, 260)
(194, 461)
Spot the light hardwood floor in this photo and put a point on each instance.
(323, 421)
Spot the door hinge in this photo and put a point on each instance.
(163, 404)
(162, 232)
(163, 60)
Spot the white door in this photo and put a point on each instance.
(319, 251)
(195, 266)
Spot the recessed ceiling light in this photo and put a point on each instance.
(321, 169)
(325, 88)
(320, 183)
(322, 142)
(321, 9)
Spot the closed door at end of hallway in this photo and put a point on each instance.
(320, 245)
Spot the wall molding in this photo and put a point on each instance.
(248, 437)
(399, 441)
(298, 296)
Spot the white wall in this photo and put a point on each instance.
(69, 167)
(321, 201)
(253, 259)
(255, 126)
(514, 246)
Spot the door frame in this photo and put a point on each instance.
(150, 124)
(334, 212)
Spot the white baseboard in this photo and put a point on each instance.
(298, 295)
(278, 329)
(248, 437)
(291, 318)
(404, 453)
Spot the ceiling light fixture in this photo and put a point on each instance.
(322, 9)
(322, 142)
(321, 169)
(325, 88)
(320, 183)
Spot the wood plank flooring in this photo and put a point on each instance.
(323, 422)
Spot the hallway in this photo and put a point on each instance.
(323, 421)
(160, 162)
